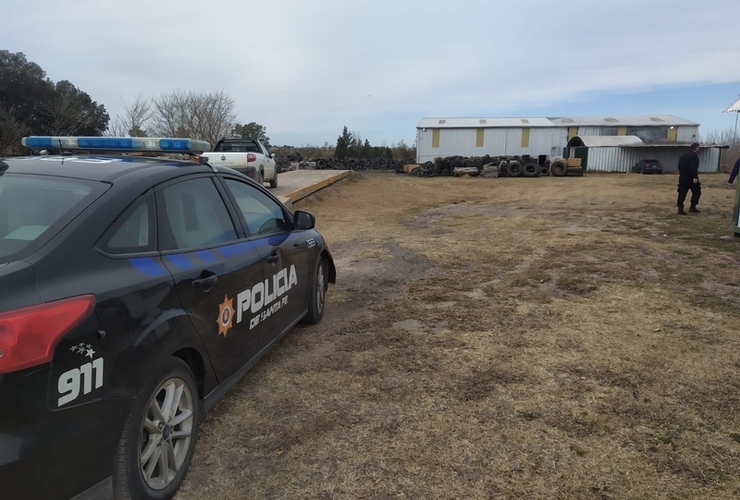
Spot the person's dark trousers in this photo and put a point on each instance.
(683, 189)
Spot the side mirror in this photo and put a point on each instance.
(304, 220)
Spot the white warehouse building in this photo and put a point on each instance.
(443, 137)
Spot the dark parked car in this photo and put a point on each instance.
(134, 292)
(648, 167)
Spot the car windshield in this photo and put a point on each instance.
(30, 205)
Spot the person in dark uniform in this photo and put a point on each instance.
(735, 171)
(688, 179)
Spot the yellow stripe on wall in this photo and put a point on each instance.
(525, 137)
(672, 134)
(572, 132)
(479, 138)
(622, 131)
(435, 138)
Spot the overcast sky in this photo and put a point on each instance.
(304, 69)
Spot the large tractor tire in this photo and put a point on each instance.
(515, 169)
(531, 170)
(558, 168)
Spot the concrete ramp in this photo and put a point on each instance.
(298, 184)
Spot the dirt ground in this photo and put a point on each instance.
(550, 338)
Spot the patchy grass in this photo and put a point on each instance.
(499, 338)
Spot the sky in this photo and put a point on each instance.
(304, 69)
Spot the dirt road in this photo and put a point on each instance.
(499, 338)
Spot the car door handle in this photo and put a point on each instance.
(302, 244)
(206, 282)
(274, 257)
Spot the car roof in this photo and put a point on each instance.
(104, 168)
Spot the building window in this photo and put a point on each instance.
(572, 132)
(479, 138)
(435, 138)
(525, 137)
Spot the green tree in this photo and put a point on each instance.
(71, 111)
(252, 130)
(30, 103)
(344, 142)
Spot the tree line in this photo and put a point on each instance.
(32, 104)
(351, 145)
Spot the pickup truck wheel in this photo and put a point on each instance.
(274, 180)
(260, 179)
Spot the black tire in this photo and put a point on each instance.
(503, 169)
(274, 180)
(317, 294)
(129, 482)
(544, 170)
(515, 169)
(575, 172)
(558, 168)
(531, 170)
(261, 179)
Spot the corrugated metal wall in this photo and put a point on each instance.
(622, 159)
(687, 134)
(508, 141)
(496, 142)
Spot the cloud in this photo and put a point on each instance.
(305, 69)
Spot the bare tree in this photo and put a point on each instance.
(134, 120)
(206, 116)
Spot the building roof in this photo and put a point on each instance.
(606, 141)
(735, 108)
(565, 121)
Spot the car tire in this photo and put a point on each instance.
(147, 433)
(274, 180)
(317, 294)
(261, 179)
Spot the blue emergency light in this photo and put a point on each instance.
(130, 144)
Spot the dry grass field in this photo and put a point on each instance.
(551, 338)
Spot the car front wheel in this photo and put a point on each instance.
(157, 442)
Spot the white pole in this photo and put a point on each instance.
(734, 134)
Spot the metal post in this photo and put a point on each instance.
(734, 134)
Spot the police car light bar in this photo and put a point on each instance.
(132, 144)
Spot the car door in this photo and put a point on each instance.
(270, 166)
(216, 270)
(285, 256)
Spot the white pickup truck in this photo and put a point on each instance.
(245, 155)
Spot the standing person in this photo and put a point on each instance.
(688, 179)
(733, 174)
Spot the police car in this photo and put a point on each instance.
(134, 292)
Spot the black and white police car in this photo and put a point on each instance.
(134, 292)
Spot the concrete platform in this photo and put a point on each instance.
(298, 184)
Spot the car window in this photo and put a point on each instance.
(262, 215)
(133, 232)
(194, 216)
(30, 205)
(239, 147)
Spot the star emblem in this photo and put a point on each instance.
(90, 353)
(225, 316)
